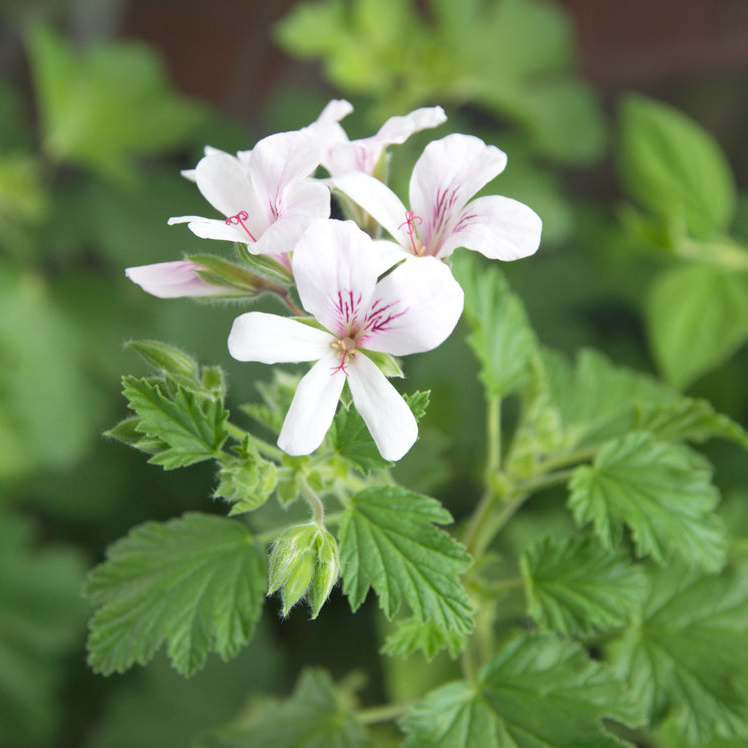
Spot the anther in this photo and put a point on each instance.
(239, 219)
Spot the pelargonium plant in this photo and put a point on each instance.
(389, 279)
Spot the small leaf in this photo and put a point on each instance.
(190, 424)
(247, 480)
(388, 542)
(165, 358)
(661, 491)
(697, 317)
(501, 337)
(694, 420)
(316, 715)
(538, 691)
(673, 167)
(215, 578)
(351, 438)
(412, 635)
(576, 587)
(686, 655)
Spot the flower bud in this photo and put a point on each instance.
(304, 561)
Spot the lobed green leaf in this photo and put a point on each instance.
(686, 654)
(576, 587)
(188, 422)
(196, 584)
(538, 691)
(661, 491)
(389, 542)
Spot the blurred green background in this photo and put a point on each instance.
(102, 102)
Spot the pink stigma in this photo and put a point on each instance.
(411, 221)
(239, 218)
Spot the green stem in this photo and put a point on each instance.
(384, 713)
(314, 501)
(491, 524)
(570, 458)
(543, 481)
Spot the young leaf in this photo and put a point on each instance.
(694, 420)
(42, 617)
(314, 716)
(430, 638)
(388, 542)
(687, 653)
(661, 491)
(575, 587)
(190, 424)
(674, 168)
(697, 317)
(501, 337)
(538, 691)
(595, 398)
(165, 358)
(246, 480)
(196, 584)
(351, 438)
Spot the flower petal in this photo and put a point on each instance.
(414, 308)
(306, 202)
(385, 413)
(224, 183)
(497, 227)
(171, 280)
(213, 228)
(399, 129)
(378, 200)
(336, 267)
(447, 174)
(312, 408)
(271, 339)
(279, 161)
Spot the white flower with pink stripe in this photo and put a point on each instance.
(413, 308)
(442, 217)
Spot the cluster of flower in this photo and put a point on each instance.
(393, 296)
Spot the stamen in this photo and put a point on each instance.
(346, 347)
(239, 218)
(411, 221)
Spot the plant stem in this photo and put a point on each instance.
(262, 446)
(384, 713)
(314, 501)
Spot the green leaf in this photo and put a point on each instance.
(247, 480)
(102, 106)
(693, 420)
(388, 542)
(42, 617)
(574, 586)
(215, 578)
(351, 438)
(697, 317)
(501, 337)
(315, 716)
(686, 655)
(413, 634)
(189, 423)
(538, 691)
(673, 167)
(661, 491)
(595, 399)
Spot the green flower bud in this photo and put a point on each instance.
(304, 561)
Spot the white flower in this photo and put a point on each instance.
(171, 280)
(341, 155)
(266, 195)
(413, 308)
(447, 174)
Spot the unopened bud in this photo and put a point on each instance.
(304, 561)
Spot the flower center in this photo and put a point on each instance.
(239, 219)
(411, 221)
(346, 347)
